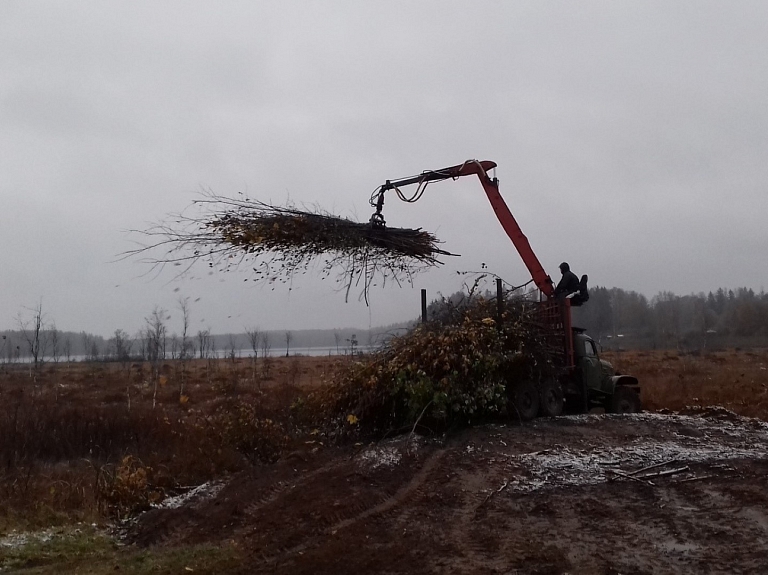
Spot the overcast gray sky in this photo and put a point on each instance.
(631, 138)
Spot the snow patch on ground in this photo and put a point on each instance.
(718, 437)
(207, 490)
(16, 539)
(390, 453)
(375, 457)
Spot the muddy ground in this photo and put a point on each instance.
(561, 495)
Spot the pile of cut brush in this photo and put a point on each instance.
(281, 241)
(441, 373)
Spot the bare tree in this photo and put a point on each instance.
(68, 349)
(55, 343)
(184, 307)
(120, 347)
(337, 338)
(288, 339)
(92, 351)
(156, 334)
(204, 343)
(6, 342)
(86, 342)
(266, 346)
(141, 340)
(175, 347)
(34, 334)
(232, 348)
(95, 353)
(7, 349)
(254, 337)
(187, 347)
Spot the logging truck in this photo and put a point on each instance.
(581, 380)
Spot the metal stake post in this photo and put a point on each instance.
(499, 301)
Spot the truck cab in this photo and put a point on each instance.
(578, 379)
(604, 387)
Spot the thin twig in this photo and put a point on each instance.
(699, 478)
(633, 478)
(653, 466)
(415, 424)
(664, 473)
(492, 493)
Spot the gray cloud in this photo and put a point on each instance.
(630, 139)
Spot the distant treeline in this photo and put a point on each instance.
(723, 318)
(617, 318)
(156, 342)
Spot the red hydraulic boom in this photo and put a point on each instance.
(554, 312)
(491, 187)
(584, 378)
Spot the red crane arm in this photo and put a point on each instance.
(491, 188)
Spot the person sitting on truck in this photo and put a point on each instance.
(568, 284)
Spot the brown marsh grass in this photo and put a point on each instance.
(85, 442)
(734, 379)
(82, 442)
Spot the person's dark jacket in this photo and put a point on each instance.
(568, 284)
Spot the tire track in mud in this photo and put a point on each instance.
(412, 488)
(170, 526)
(480, 486)
(278, 489)
(442, 508)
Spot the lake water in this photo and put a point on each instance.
(221, 353)
(310, 351)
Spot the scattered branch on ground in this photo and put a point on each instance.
(649, 467)
(632, 477)
(492, 493)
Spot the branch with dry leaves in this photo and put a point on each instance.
(279, 242)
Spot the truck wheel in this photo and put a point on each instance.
(624, 400)
(525, 401)
(551, 399)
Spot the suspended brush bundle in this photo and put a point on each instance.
(277, 242)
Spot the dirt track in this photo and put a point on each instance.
(552, 496)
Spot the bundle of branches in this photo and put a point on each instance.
(280, 241)
(440, 373)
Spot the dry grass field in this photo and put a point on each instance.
(734, 379)
(87, 446)
(93, 441)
